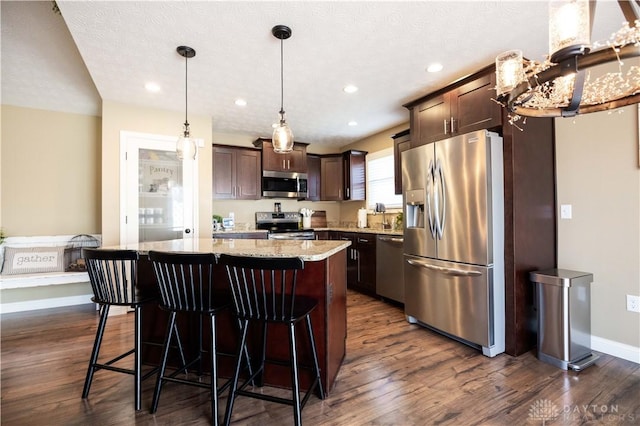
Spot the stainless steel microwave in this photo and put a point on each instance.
(284, 184)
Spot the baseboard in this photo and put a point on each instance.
(617, 349)
(55, 302)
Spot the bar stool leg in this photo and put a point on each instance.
(244, 326)
(137, 358)
(294, 375)
(104, 312)
(315, 357)
(214, 373)
(163, 363)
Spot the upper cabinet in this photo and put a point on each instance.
(459, 109)
(294, 162)
(355, 178)
(401, 143)
(331, 177)
(313, 177)
(236, 173)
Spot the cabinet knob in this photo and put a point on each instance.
(446, 127)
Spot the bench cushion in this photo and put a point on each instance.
(29, 260)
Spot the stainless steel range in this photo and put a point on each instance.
(283, 226)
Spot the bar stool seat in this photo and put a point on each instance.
(113, 277)
(264, 292)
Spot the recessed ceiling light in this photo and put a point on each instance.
(435, 67)
(241, 102)
(152, 87)
(352, 123)
(350, 88)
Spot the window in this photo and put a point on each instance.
(380, 182)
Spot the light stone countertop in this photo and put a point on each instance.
(307, 250)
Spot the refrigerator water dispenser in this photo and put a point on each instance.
(414, 200)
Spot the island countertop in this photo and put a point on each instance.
(307, 250)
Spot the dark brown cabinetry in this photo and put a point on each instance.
(313, 177)
(401, 142)
(355, 178)
(529, 187)
(294, 162)
(236, 173)
(331, 177)
(462, 108)
(361, 261)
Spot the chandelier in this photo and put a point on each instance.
(563, 85)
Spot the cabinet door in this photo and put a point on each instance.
(432, 118)
(472, 107)
(366, 256)
(352, 259)
(355, 182)
(313, 178)
(224, 173)
(331, 178)
(271, 160)
(401, 143)
(248, 175)
(296, 160)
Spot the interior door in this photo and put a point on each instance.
(157, 191)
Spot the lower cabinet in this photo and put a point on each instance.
(361, 261)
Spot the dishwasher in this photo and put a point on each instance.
(390, 267)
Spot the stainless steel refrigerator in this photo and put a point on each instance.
(454, 238)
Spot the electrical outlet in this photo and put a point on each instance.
(633, 303)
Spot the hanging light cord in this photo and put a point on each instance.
(281, 79)
(186, 94)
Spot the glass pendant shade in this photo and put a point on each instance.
(282, 137)
(569, 28)
(186, 147)
(509, 71)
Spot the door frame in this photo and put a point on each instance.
(130, 140)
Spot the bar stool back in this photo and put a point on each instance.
(113, 277)
(186, 281)
(264, 291)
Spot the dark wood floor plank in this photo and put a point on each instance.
(395, 373)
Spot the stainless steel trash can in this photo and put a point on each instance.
(563, 302)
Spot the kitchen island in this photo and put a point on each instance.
(323, 278)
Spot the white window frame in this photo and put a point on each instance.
(371, 202)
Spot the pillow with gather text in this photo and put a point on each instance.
(32, 260)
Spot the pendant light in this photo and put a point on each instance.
(186, 146)
(282, 134)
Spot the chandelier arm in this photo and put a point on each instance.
(574, 105)
(594, 58)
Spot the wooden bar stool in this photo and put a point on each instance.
(264, 292)
(186, 281)
(113, 276)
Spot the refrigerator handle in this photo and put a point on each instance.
(430, 195)
(442, 213)
(446, 271)
(440, 206)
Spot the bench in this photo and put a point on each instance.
(31, 300)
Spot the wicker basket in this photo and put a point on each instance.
(73, 252)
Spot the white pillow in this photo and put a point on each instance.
(32, 260)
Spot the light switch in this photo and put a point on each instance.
(565, 211)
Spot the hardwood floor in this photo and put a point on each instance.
(394, 373)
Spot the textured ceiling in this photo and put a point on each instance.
(110, 49)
